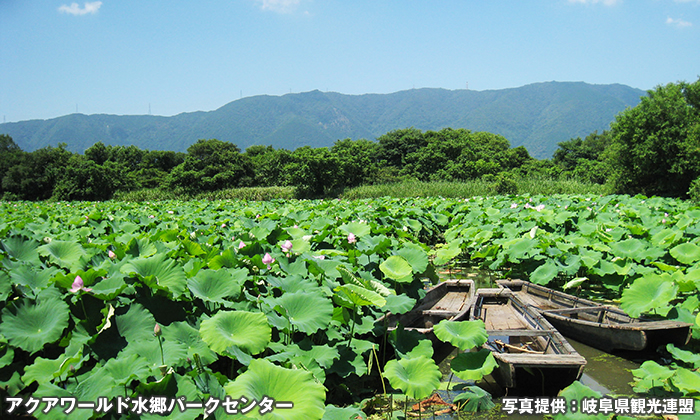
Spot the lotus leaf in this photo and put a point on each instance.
(217, 285)
(308, 312)
(651, 375)
(42, 370)
(360, 296)
(264, 379)
(417, 377)
(474, 399)
(648, 294)
(398, 304)
(126, 368)
(446, 254)
(345, 413)
(397, 268)
(464, 335)
(23, 250)
(545, 273)
(182, 332)
(686, 253)
(249, 331)
(31, 325)
(66, 254)
(415, 255)
(136, 324)
(49, 390)
(687, 381)
(579, 392)
(473, 365)
(159, 272)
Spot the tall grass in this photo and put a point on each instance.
(472, 188)
(250, 194)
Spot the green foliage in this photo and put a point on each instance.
(655, 146)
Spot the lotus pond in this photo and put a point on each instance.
(276, 302)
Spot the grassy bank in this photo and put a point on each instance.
(251, 194)
(533, 186)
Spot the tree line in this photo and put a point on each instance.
(653, 149)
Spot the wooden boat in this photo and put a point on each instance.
(450, 299)
(533, 358)
(601, 326)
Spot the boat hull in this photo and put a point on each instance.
(533, 357)
(600, 326)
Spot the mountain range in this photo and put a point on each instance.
(537, 116)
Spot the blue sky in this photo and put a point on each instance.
(120, 56)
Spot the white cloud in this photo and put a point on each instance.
(279, 6)
(75, 9)
(605, 2)
(678, 23)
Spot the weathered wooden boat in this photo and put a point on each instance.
(601, 326)
(533, 357)
(450, 299)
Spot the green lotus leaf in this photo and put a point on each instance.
(651, 375)
(397, 268)
(8, 355)
(66, 254)
(474, 399)
(416, 377)
(249, 331)
(182, 332)
(217, 285)
(31, 325)
(42, 370)
(174, 353)
(473, 366)
(136, 324)
(686, 380)
(22, 249)
(360, 296)
(140, 247)
(684, 355)
(356, 228)
(424, 348)
(686, 253)
(128, 367)
(545, 273)
(264, 379)
(576, 282)
(446, 254)
(5, 286)
(578, 392)
(308, 312)
(464, 335)
(345, 413)
(34, 278)
(175, 385)
(520, 248)
(398, 304)
(651, 293)
(629, 248)
(159, 272)
(227, 258)
(50, 390)
(97, 383)
(415, 255)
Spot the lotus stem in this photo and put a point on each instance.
(352, 328)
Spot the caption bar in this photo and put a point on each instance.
(623, 405)
(142, 405)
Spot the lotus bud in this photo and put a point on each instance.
(111, 254)
(156, 331)
(351, 238)
(287, 246)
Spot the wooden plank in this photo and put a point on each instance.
(520, 333)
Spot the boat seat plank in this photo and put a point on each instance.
(520, 333)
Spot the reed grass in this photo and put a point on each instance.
(473, 188)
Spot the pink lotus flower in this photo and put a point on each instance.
(267, 259)
(241, 245)
(319, 257)
(79, 285)
(287, 246)
(351, 238)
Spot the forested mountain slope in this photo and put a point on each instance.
(537, 116)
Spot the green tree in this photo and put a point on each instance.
(211, 165)
(10, 155)
(358, 163)
(584, 159)
(655, 146)
(83, 179)
(314, 172)
(35, 175)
